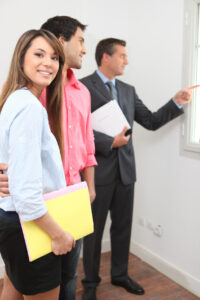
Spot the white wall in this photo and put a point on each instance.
(167, 189)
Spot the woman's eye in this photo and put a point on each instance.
(39, 54)
(55, 58)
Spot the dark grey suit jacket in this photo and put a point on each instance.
(111, 162)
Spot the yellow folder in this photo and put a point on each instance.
(71, 209)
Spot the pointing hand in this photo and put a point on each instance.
(185, 95)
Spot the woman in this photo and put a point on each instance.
(35, 165)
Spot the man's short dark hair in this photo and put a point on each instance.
(63, 26)
(107, 46)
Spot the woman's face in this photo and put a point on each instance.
(41, 65)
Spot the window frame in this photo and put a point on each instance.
(191, 19)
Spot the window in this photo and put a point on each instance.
(195, 117)
(191, 75)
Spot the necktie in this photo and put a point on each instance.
(111, 88)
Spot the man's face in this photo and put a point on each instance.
(74, 50)
(117, 61)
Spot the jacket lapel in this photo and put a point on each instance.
(100, 86)
(120, 93)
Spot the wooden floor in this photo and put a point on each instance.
(156, 285)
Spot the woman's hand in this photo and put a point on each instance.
(63, 243)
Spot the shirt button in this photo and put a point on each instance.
(70, 146)
(70, 168)
(70, 126)
(69, 107)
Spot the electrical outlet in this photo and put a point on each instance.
(158, 230)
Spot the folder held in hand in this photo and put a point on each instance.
(70, 207)
(109, 119)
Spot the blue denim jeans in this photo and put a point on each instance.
(69, 273)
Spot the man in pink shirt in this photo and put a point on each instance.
(78, 134)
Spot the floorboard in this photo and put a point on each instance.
(156, 285)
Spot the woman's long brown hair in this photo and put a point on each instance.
(17, 79)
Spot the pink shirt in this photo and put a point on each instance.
(79, 146)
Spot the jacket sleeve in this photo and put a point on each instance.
(154, 120)
(103, 143)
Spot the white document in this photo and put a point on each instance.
(109, 119)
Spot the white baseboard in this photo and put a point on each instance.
(184, 279)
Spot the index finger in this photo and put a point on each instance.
(194, 86)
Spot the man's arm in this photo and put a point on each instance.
(105, 143)
(88, 175)
(4, 191)
(169, 111)
(88, 170)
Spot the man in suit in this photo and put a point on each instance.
(115, 175)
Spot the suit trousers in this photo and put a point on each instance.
(118, 198)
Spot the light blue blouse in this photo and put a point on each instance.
(32, 154)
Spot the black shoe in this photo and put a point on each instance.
(130, 285)
(89, 293)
